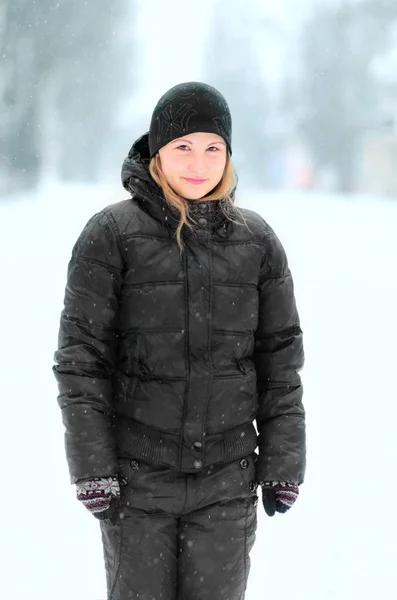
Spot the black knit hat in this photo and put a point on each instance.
(189, 108)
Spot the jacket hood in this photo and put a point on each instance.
(137, 180)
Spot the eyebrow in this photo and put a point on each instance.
(210, 144)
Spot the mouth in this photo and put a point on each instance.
(194, 181)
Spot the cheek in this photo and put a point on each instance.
(168, 163)
(173, 168)
(219, 169)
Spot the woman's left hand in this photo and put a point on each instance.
(278, 496)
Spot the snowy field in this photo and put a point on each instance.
(338, 541)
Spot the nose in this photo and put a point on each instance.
(197, 165)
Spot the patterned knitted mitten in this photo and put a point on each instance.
(96, 493)
(278, 496)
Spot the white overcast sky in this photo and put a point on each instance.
(171, 37)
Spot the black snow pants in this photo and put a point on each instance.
(181, 536)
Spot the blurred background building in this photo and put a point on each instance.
(311, 86)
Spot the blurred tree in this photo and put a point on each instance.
(232, 64)
(338, 95)
(62, 80)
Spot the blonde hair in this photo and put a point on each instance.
(222, 192)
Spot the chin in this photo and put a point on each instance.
(195, 194)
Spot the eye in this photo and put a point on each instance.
(185, 147)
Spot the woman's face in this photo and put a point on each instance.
(194, 164)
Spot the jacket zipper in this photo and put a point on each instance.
(186, 298)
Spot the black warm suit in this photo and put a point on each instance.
(165, 359)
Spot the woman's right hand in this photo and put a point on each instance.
(97, 493)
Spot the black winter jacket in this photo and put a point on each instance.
(170, 356)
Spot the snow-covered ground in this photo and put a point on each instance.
(338, 541)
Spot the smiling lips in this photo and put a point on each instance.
(194, 181)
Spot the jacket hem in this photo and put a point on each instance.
(138, 440)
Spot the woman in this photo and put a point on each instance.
(179, 329)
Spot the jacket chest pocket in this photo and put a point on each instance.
(243, 369)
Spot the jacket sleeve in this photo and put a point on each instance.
(278, 358)
(87, 349)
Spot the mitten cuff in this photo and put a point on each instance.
(98, 485)
(272, 484)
